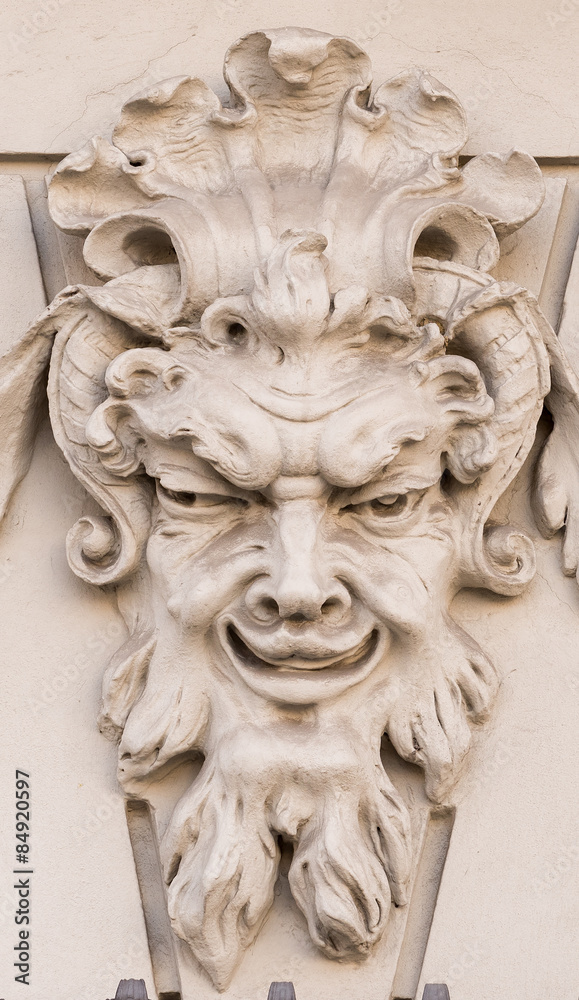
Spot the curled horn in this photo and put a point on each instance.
(501, 328)
(451, 231)
(101, 549)
(504, 331)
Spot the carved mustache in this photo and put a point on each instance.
(299, 652)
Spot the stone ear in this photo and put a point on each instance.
(556, 486)
(146, 299)
(461, 392)
(100, 548)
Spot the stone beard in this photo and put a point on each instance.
(297, 398)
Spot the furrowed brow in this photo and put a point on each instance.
(403, 481)
(198, 477)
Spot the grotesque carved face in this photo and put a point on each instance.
(300, 529)
(297, 402)
(310, 460)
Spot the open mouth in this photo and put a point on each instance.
(354, 658)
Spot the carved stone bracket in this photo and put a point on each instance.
(297, 398)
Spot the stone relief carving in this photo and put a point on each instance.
(297, 397)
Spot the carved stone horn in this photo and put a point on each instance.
(501, 328)
(101, 549)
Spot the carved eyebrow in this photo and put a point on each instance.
(184, 480)
(394, 485)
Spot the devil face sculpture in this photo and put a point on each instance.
(301, 460)
(314, 460)
(297, 398)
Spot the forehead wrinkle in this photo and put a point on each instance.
(299, 445)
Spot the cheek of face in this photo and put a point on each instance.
(403, 576)
(199, 567)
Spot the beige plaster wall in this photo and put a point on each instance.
(67, 65)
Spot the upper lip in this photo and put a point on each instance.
(286, 652)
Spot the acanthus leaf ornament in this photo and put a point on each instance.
(297, 398)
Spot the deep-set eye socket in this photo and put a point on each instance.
(390, 506)
(389, 509)
(188, 500)
(179, 496)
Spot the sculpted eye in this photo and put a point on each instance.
(188, 500)
(390, 506)
(177, 496)
(390, 509)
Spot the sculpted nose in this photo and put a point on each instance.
(300, 587)
(299, 597)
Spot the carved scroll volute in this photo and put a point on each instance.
(297, 397)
